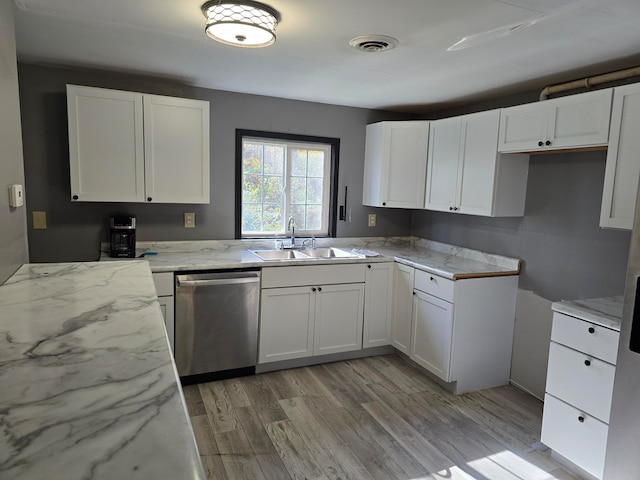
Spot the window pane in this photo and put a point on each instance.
(298, 212)
(314, 190)
(298, 190)
(251, 217)
(298, 162)
(273, 160)
(273, 190)
(251, 188)
(272, 218)
(251, 158)
(316, 163)
(314, 217)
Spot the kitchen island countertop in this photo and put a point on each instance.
(88, 388)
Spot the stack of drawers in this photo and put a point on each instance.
(577, 403)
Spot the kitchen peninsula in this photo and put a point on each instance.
(88, 386)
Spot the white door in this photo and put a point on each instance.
(402, 307)
(106, 153)
(623, 161)
(406, 176)
(442, 166)
(477, 171)
(432, 333)
(286, 323)
(579, 120)
(523, 127)
(339, 313)
(378, 304)
(176, 145)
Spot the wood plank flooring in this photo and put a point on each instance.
(371, 418)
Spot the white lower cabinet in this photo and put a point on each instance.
(323, 316)
(164, 288)
(378, 305)
(579, 388)
(461, 331)
(432, 328)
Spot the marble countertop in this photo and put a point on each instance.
(438, 258)
(88, 388)
(605, 311)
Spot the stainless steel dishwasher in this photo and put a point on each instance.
(216, 327)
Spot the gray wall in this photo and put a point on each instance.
(75, 230)
(13, 236)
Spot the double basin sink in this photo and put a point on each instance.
(305, 254)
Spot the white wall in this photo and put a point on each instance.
(13, 232)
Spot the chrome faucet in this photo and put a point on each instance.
(291, 225)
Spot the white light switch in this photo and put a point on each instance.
(16, 198)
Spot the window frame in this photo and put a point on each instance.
(334, 144)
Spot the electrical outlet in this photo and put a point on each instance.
(372, 220)
(39, 220)
(189, 220)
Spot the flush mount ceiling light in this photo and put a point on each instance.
(242, 24)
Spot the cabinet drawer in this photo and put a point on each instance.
(583, 442)
(581, 380)
(592, 339)
(295, 276)
(434, 285)
(164, 283)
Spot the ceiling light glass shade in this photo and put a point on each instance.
(241, 24)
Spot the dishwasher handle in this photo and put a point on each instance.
(183, 282)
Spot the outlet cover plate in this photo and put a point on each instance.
(189, 220)
(372, 220)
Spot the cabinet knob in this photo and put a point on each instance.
(414, 292)
(313, 289)
(581, 419)
(149, 199)
(368, 266)
(319, 289)
(450, 208)
(75, 197)
(431, 278)
(455, 209)
(547, 143)
(592, 330)
(587, 363)
(384, 204)
(540, 143)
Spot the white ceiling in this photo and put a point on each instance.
(311, 59)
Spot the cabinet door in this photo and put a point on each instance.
(477, 171)
(378, 304)
(286, 323)
(522, 127)
(432, 334)
(579, 120)
(623, 162)
(396, 164)
(176, 145)
(402, 306)
(442, 167)
(105, 145)
(167, 307)
(339, 314)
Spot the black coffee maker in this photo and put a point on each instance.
(123, 237)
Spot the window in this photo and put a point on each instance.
(285, 176)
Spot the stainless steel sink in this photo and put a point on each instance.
(279, 254)
(329, 252)
(305, 254)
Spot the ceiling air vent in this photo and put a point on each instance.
(373, 43)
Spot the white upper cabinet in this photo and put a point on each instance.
(465, 173)
(623, 161)
(575, 121)
(395, 164)
(133, 147)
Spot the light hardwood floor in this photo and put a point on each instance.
(372, 418)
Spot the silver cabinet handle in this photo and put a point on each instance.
(216, 281)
